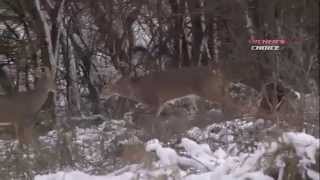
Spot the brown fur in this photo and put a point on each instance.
(210, 83)
(19, 109)
(157, 88)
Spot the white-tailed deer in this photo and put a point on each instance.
(156, 89)
(279, 102)
(19, 109)
(159, 87)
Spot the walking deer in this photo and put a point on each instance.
(159, 87)
(210, 83)
(19, 109)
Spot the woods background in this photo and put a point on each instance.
(88, 43)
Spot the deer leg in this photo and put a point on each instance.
(160, 109)
(155, 106)
(19, 133)
(16, 131)
(194, 105)
(24, 132)
(228, 112)
(27, 132)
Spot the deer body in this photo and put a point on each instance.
(19, 109)
(210, 83)
(157, 88)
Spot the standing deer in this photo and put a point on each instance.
(159, 87)
(279, 102)
(19, 109)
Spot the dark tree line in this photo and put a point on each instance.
(88, 43)
(79, 39)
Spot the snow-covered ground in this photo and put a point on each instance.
(191, 160)
(96, 148)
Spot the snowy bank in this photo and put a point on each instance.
(198, 161)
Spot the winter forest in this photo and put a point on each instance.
(159, 90)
